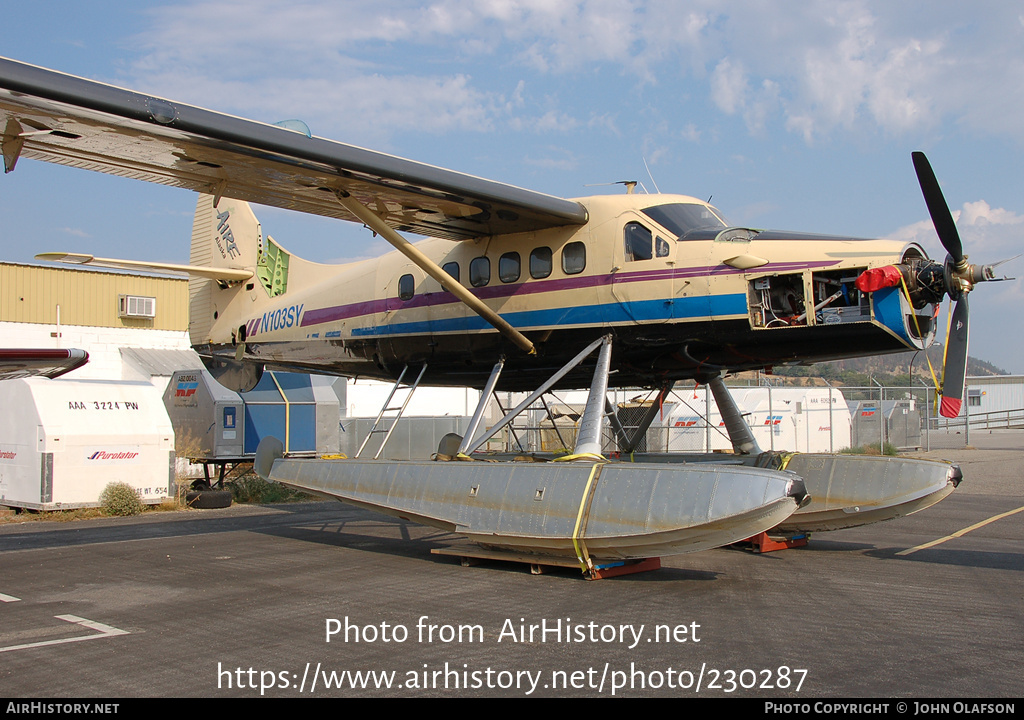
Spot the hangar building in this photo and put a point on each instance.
(119, 318)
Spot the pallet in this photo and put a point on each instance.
(471, 555)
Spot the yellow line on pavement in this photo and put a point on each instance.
(961, 533)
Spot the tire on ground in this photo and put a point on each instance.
(208, 499)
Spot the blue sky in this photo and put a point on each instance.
(798, 116)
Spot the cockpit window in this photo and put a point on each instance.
(661, 246)
(638, 242)
(683, 218)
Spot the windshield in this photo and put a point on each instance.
(682, 218)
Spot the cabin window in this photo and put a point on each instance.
(638, 242)
(661, 247)
(540, 263)
(479, 272)
(508, 267)
(574, 258)
(406, 287)
(452, 269)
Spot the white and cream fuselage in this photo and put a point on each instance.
(681, 302)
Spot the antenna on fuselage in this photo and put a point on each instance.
(653, 181)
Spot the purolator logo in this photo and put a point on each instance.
(104, 455)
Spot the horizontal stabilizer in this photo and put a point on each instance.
(227, 274)
(47, 362)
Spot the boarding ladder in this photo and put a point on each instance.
(399, 409)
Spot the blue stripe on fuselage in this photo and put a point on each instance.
(599, 315)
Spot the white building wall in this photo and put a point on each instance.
(366, 397)
(103, 345)
(997, 393)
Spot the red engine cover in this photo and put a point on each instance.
(878, 278)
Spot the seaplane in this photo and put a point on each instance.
(521, 291)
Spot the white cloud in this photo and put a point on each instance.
(988, 234)
(557, 159)
(361, 108)
(980, 214)
(729, 85)
(815, 68)
(555, 121)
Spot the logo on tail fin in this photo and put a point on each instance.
(225, 238)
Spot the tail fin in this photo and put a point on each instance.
(227, 235)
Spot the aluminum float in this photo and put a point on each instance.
(586, 507)
(843, 491)
(853, 490)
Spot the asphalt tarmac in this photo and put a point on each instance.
(326, 600)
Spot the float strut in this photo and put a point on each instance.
(588, 441)
(511, 414)
(743, 442)
(485, 397)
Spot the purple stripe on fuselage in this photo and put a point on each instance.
(370, 307)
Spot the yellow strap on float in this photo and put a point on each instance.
(582, 456)
(906, 293)
(578, 544)
(786, 457)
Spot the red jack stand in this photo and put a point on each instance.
(762, 543)
(628, 568)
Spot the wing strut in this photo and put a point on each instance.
(375, 223)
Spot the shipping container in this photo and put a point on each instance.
(62, 441)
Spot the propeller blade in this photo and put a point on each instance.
(955, 368)
(937, 207)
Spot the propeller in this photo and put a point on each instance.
(959, 278)
(945, 228)
(954, 369)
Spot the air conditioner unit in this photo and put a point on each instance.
(136, 306)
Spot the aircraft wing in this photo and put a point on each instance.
(51, 363)
(47, 115)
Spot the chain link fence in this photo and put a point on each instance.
(886, 417)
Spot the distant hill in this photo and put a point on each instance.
(891, 370)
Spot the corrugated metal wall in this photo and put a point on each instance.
(31, 294)
(1000, 392)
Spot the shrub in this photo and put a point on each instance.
(119, 498)
(872, 449)
(251, 488)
